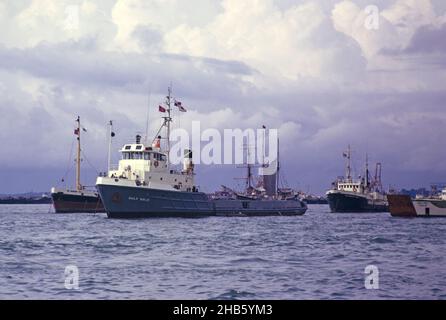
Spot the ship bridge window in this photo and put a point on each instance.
(132, 156)
(138, 155)
(128, 147)
(138, 147)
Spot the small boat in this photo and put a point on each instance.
(80, 199)
(404, 206)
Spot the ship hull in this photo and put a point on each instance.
(124, 202)
(351, 203)
(253, 208)
(404, 206)
(76, 202)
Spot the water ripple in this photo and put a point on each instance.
(316, 256)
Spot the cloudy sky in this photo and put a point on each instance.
(316, 70)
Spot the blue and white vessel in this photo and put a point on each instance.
(144, 186)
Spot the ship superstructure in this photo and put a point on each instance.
(145, 166)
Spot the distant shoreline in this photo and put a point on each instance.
(27, 198)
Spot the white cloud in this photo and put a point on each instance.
(278, 43)
(161, 15)
(397, 24)
(26, 24)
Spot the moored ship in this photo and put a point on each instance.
(362, 195)
(80, 199)
(263, 198)
(405, 206)
(257, 204)
(144, 185)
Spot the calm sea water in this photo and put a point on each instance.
(316, 256)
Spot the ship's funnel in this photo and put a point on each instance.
(188, 165)
(269, 177)
(270, 184)
(138, 139)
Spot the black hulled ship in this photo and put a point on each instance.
(358, 195)
(80, 199)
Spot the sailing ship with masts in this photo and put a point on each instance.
(144, 185)
(263, 197)
(358, 195)
(79, 199)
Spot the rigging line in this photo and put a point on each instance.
(89, 163)
(64, 179)
(68, 167)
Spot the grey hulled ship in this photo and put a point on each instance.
(361, 195)
(144, 185)
(402, 205)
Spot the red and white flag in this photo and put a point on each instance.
(161, 109)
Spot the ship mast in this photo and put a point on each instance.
(367, 174)
(249, 168)
(349, 166)
(378, 182)
(167, 121)
(110, 136)
(248, 179)
(278, 166)
(78, 157)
